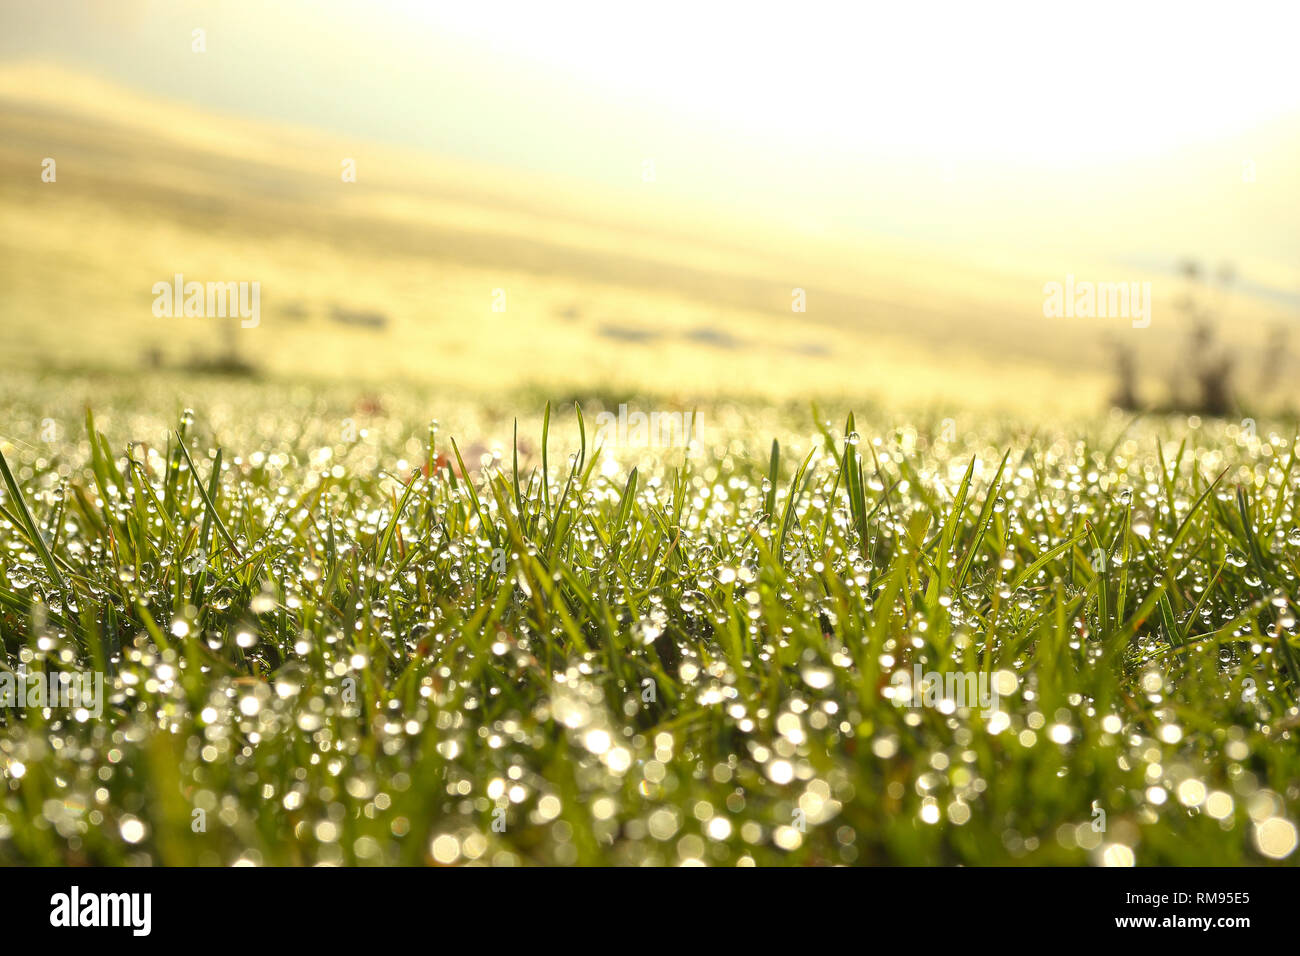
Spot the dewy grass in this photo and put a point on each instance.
(396, 648)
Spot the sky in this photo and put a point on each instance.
(1048, 83)
(947, 123)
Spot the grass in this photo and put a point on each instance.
(363, 641)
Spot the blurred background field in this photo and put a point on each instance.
(643, 234)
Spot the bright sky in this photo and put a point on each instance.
(949, 122)
(1047, 81)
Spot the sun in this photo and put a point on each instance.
(1017, 81)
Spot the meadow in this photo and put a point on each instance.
(432, 630)
(431, 271)
(774, 514)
